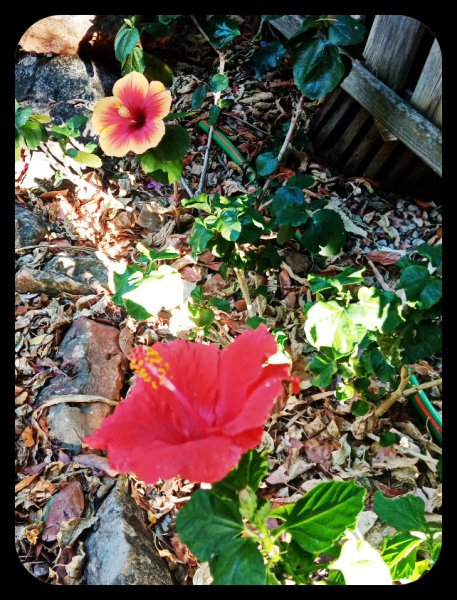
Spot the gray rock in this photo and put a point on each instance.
(71, 424)
(62, 86)
(30, 229)
(88, 270)
(92, 362)
(30, 281)
(120, 550)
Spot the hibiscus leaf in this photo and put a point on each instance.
(268, 57)
(173, 145)
(288, 206)
(163, 171)
(405, 513)
(218, 82)
(317, 68)
(156, 70)
(346, 31)
(266, 163)
(198, 97)
(126, 40)
(88, 159)
(134, 61)
(323, 233)
(239, 563)
(320, 518)
(399, 553)
(249, 472)
(221, 522)
(222, 30)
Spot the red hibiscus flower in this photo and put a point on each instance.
(132, 119)
(194, 409)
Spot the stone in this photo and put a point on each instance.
(92, 362)
(30, 228)
(71, 424)
(120, 550)
(62, 86)
(64, 274)
(86, 35)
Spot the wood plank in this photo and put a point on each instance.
(349, 135)
(320, 114)
(362, 150)
(413, 129)
(287, 24)
(379, 159)
(333, 120)
(427, 97)
(391, 48)
(398, 168)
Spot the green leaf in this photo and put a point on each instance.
(125, 281)
(375, 363)
(346, 31)
(328, 325)
(239, 563)
(166, 19)
(301, 181)
(218, 82)
(156, 70)
(404, 513)
(344, 392)
(33, 133)
(136, 311)
(289, 206)
(266, 164)
(220, 522)
(41, 118)
(201, 202)
(323, 514)
(419, 285)
(164, 171)
(200, 237)
(198, 97)
(308, 22)
(228, 224)
(422, 341)
(433, 253)
(252, 468)
(360, 408)
(325, 371)
(76, 124)
(376, 310)
(388, 438)
(285, 233)
(204, 317)
(361, 564)
(399, 552)
(22, 116)
(214, 113)
(323, 233)
(317, 69)
(255, 321)
(88, 159)
(220, 304)
(134, 61)
(349, 276)
(126, 40)
(222, 30)
(268, 57)
(174, 144)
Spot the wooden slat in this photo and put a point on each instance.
(378, 160)
(361, 151)
(348, 136)
(414, 130)
(328, 104)
(288, 24)
(398, 168)
(427, 95)
(391, 48)
(334, 119)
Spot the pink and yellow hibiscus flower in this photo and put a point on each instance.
(132, 119)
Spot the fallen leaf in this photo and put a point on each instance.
(25, 482)
(191, 273)
(126, 340)
(27, 437)
(383, 258)
(214, 283)
(97, 462)
(68, 503)
(319, 450)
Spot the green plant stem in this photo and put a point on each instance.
(241, 278)
(396, 395)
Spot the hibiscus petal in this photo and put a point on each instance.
(132, 89)
(241, 366)
(106, 112)
(158, 101)
(115, 140)
(147, 136)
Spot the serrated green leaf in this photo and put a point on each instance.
(348, 276)
(324, 369)
(239, 563)
(404, 513)
(156, 70)
(266, 164)
(249, 472)
(218, 82)
(420, 286)
(164, 171)
(323, 233)
(198, 97)
(433, 253)
(88, 159)
(346, 31)
(174, 145)
(399, 553)
(376, 310)
(268, 57)
(200, 237)
(320, 518)
(134, 61)
(328, 325)
(214, 113)
(221, 522)
(301, 181)
(33, 134)
(228, 224)
(222, 30)
(125, 41)
(289, 206)
(317, 69)
(220, 304)
(422, 341)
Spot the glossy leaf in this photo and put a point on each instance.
(433, 253)
(126, 40)
(317, 69)
(239, 563)
(214, 113)
(156, 70)
(266, 164)
(324, 370)
(198, 97)
(346, 31)
(222, 30)
(289, 206)
(173, 145)
(229, 225)
(268, 57)
(323, 233)
(200, 237)
(134, 61)
(252, 468)
(218, 82)
(420, 286)
(405, 513)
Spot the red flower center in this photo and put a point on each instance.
(137, 120)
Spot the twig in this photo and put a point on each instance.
(50, 245)
(423, 386)
(290, 132)
(232, 115)
(185, 185)
(176, 200)
(396, 395)
(241, 278)
(201, 183)
(379, 277)
(259, 30)
(201, 30)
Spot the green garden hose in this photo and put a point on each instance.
(427, 410)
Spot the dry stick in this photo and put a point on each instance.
(185, 185)
(241, 278)
(176, 200)
(51, 245)
(293, 124)
(396, 395)
(379, 277)
(422, 386)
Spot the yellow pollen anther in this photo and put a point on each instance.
(124, 112)
(150, 368)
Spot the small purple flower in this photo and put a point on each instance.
(153, 184)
